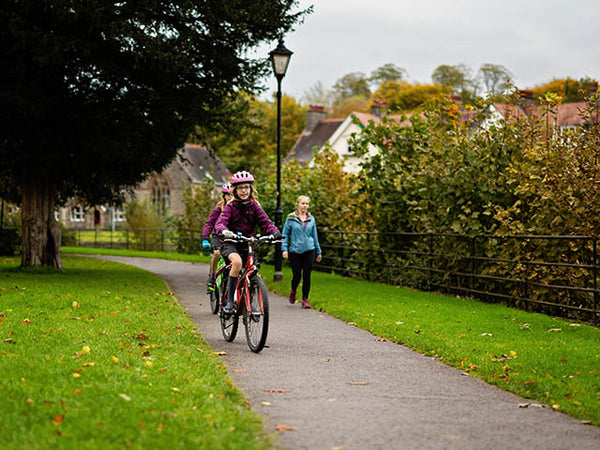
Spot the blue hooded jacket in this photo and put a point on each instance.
(300, 236)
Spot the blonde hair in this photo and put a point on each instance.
(302, 197)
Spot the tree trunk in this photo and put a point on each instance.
(41, 233)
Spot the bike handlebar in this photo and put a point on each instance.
(268, 239)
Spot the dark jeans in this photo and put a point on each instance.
(302, 264)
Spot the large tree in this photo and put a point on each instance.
(96, 94)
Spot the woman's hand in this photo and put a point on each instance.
(285, 255)
(319, 258)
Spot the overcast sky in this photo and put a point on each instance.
(537, 40)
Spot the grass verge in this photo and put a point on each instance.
(553, 361)
(550, 360)
(101, 356)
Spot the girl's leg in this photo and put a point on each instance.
(296, 263)
(307, 264)
(236, 267)
(214, 261)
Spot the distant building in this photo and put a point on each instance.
(321, 131)
(190, 167)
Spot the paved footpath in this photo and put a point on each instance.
(339, 387)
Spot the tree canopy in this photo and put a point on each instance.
(98, 94)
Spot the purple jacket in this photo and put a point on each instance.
(243, 217)
(209, 226)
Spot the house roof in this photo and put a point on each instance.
(308, 140)
(198, 163)
(565, 114)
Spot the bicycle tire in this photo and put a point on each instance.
(229, 322)
(257, 324)
(214, 298)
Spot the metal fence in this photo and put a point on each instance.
(556, 275)
(148, 239)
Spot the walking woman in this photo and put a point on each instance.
(301, 246)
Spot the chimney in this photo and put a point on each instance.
(456, 98)
(379, 108)
(314, 114)
(526, 97)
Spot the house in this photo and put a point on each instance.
(563, 116)
(320, 131)
(191, 166)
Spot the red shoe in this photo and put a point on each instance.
(292, 297)
(305, 304)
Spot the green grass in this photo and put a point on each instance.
(200, 258)
(102, 356)
(546, 359)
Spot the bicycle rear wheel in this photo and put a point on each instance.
(229, 322)
(214, 297)
(256, 320)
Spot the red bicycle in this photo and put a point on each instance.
(251, 297)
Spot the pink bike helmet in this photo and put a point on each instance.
(226, 188)
(241, 177)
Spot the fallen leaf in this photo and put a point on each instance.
(219, 353)
(125, 397)
(554, 330)
(523, 405)
(357, 383)
(487, 334)
(276, 391)
(284, 428)
(382, 340)
(58, 420)
(9, 341)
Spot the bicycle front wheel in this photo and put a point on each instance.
(256, 320)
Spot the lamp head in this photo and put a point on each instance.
(280, 59)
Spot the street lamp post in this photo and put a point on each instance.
(280, 59)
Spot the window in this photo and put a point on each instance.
(118, 215)
(77, 214)
(161, 193)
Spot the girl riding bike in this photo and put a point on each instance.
(242, 215)
(208, 230)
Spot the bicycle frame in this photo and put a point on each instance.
(251, 298)
(249, 270)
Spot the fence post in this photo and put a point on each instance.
(341, 253)
(595, 241)
(473, 263)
